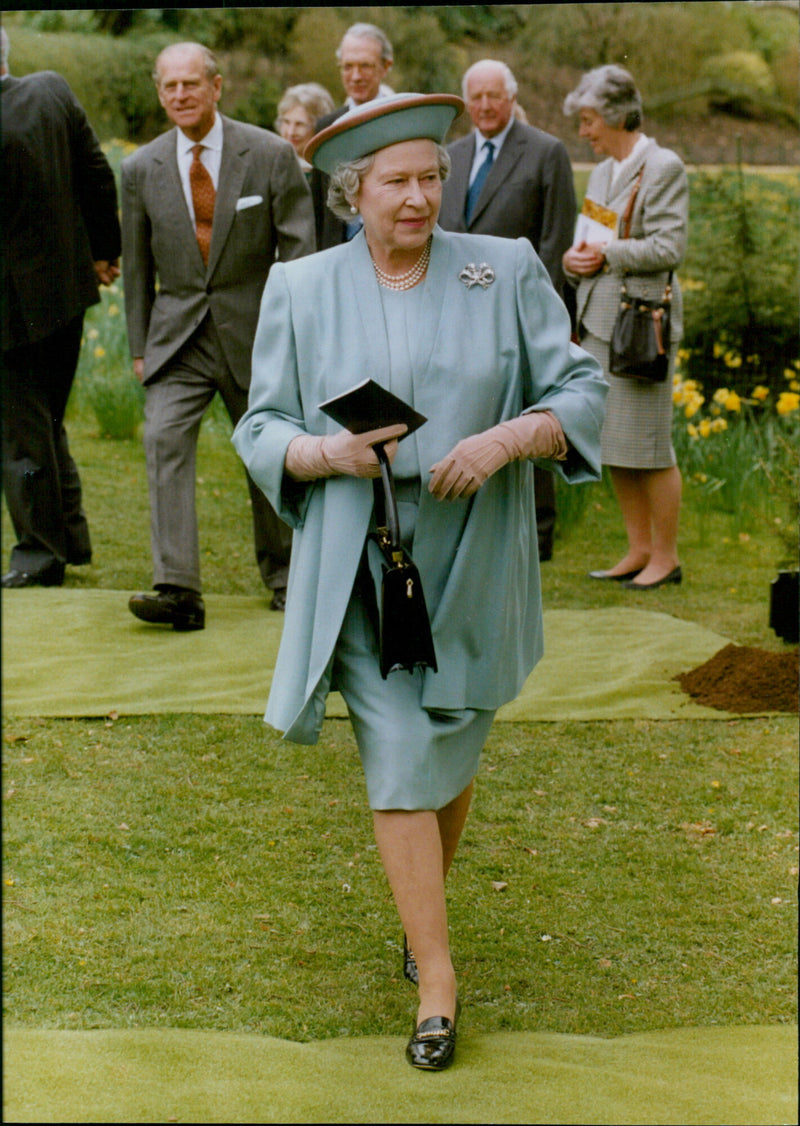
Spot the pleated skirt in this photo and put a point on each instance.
(413, 758)
(637, 430)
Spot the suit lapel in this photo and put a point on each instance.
(509, 155)
(232, 170)
(462, 158)
(168, 179)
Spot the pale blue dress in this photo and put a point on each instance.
(413, 758)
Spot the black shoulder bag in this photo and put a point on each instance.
(640, 339)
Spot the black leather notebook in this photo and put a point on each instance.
(368, 406)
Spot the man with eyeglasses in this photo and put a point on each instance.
(365, 57)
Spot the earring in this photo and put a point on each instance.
(353, 209)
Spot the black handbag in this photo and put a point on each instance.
(640, 340)
(404, 630)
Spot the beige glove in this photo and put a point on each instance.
(476, 458)
(344, 454)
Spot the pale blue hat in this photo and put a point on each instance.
(382, 122)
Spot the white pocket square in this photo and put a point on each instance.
(248, 201)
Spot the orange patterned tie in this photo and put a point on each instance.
(203, 197)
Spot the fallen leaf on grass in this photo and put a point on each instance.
(594, 822)
(698, 828)
(498, 885)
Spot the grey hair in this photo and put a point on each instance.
(3, 48)
(314, 99)
(210, 63)
(508, 77)
(345, 182)
(611, 91)
(368, 31)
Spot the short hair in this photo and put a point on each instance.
(346, 180)
(508, 77)
(368, 31)
(314, 99)
(611, 91)
(210, 63)
(3, 48)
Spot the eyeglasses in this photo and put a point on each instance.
(366, 68)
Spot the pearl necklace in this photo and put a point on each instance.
(409, 279)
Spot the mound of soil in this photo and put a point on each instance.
(741, 678)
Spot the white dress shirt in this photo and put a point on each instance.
(480, 151)
(211, 157)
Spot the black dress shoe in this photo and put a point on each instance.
(433, 1043)
(614, 578)
(675, 576)
(177, 607)
(410, 971)
(50, 576)
(278, 599)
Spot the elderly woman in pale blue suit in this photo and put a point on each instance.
(637, 433)
(469, 331)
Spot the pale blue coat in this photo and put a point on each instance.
(482, 355)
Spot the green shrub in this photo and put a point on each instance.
(740, 279)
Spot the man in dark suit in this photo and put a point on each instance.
(365, 57)
(60, 238)
(515, 181)
(205, 209)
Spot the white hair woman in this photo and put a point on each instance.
(468, 330)
(298, 112)
(637, 433)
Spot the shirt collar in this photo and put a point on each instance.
(497, 140)
(212, 139)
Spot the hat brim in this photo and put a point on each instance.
(380, 123)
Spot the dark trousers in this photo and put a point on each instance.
(175, 403)
(544, 486)
(40, 479)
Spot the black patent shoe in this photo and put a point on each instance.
(433, 1043)
(177, 607)
(410, 971)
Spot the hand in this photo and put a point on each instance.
(350, 455)
(585, 259)
(537, 434)
(106, 271)
(138, 368)
(471, 461)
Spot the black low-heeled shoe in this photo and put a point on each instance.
(433, 1043)
(410, 971)
(624, 577)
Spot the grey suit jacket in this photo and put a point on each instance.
(529, 193)
(263, 209)
(657, 243)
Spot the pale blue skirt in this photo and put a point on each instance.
(413, 758)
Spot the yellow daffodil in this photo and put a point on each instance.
(732, 360)
(788, 401)
(705, 427)
(760, 393)
(718, 425)
(733, 402)
(691, 430)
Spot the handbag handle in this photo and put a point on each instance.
(385, 498)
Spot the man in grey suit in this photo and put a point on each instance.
(512, 180)
(60, 238)
(206, 207)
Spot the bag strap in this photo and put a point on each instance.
(625, 225)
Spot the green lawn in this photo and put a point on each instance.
(197, 871)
